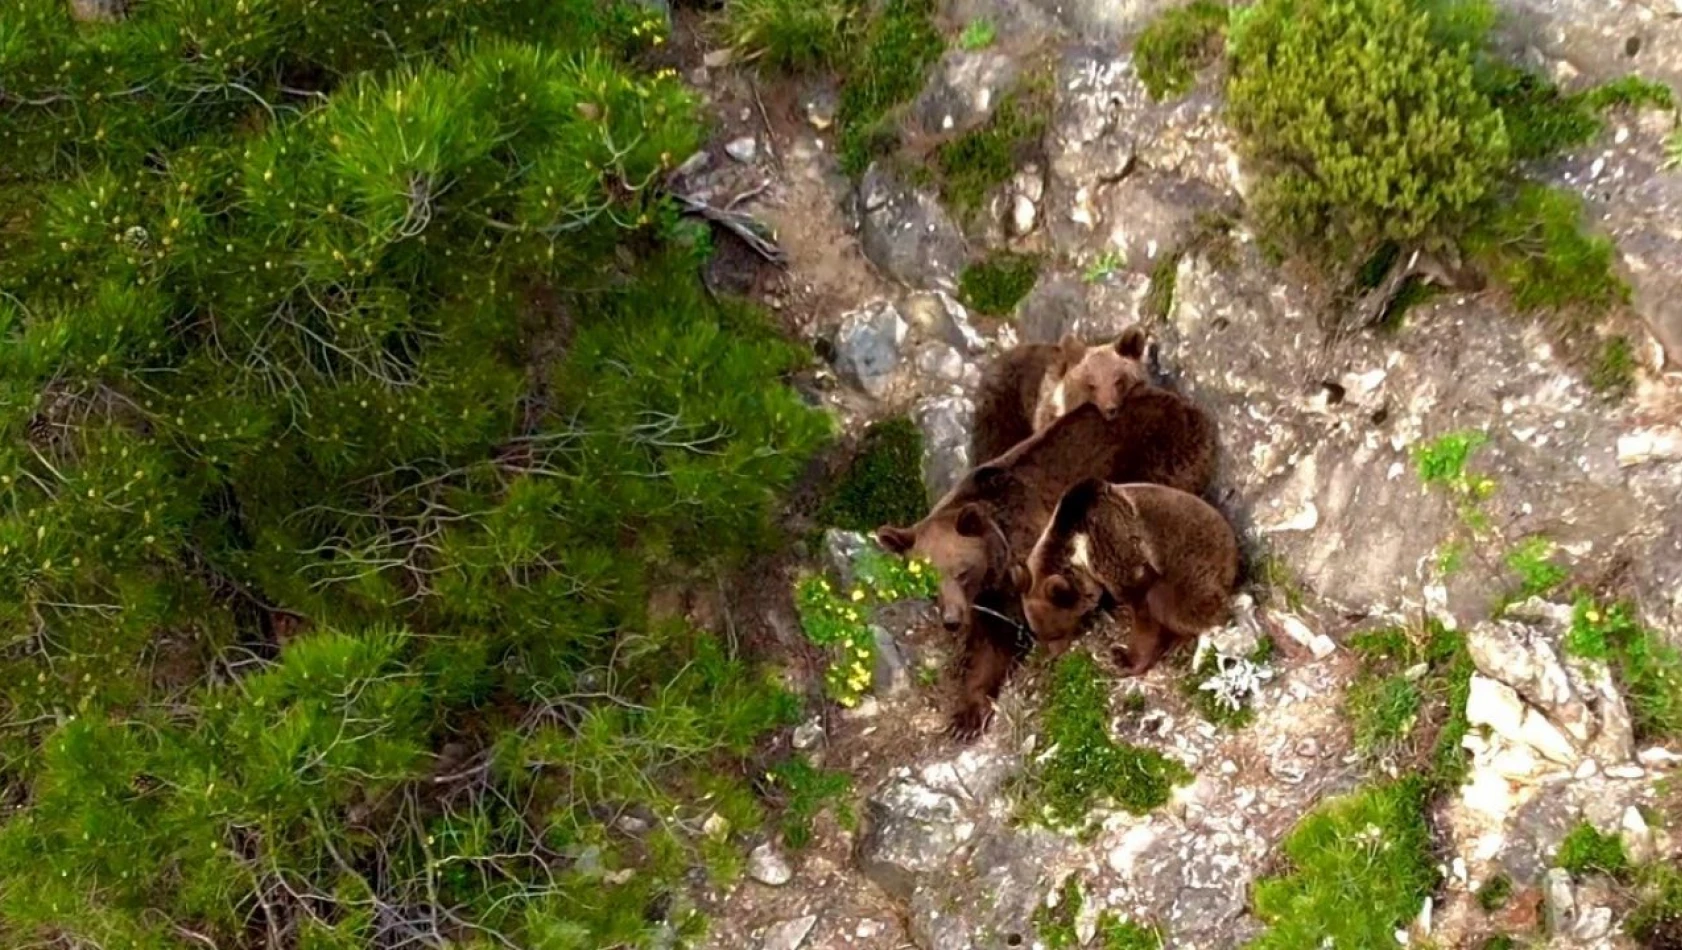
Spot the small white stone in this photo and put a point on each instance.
(1023, 215)
(744, 149)
(788, 934)
(1658, 757)
(1625, 771)
(1586, 769)
(716, 826)
(867, 708)
(767, 866)
(1636, 835)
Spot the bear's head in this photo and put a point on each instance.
(967, 548)
(1056, 604)
(1103, 375)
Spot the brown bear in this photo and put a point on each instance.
(993, 517)
(1103, 375)
(1029, 386)
(1167, 556)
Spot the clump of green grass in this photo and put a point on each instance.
(1084, 766)
(1656, 920)
(1425, 714)
(895, 50)
(1177, 44)
(1533, 562)
(1534, 243)
(1278, 582)
(1055, 926)
(1442, 461)
(1360, 867)
(1649, 668)
(883, 484)
(1613, 369)
(1586, 850)
(1159, 297)
(1495, 892)
(1499, 942)
(982, 159)
(1631, 92)
(997, 283)
(789, 35)
(1102, 267)
(805, 791)
(978, 34)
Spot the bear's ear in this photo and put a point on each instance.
(1072, 348)
(1131, 343)
(1060, 592)
(895, 540)
(973, 521)
(1019, 578)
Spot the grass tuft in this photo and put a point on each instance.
(1423, 715)
(984, 158)
(1648, 668)
(1360, 866)
(896, 49)
(978, 34)
(1656, 920)
(883, 484)
(1534, 243)
(1084, 766)
(1613, 369)
(996, 284)
(1177, 44)
(789, 35)
(1533, 562)
(1586, 850)
(1384, 711)
(1495, 892)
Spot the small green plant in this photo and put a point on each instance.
(788, 34)
(1631, 92)
(805, 790)
(883, 483)
(1533, 243)
(1084, 766)
(1613, 369)
(1586, 850)
(1493, 894)
(1366, 124)
(982, 159)
(1499, 942)
(1117, 933)
(1533, 562)
(1278, 582)
(1656, 920)
(1384, 711)
(1102, 266)
(1451, 557)
(1359, 868)
(1221, 688)
(1442, 462)
(978, 34)
(1159, 297)
(1055, 924)
(840, 623)
(1177, 44)
(997, 283)
(896, 48)
(1649, 668)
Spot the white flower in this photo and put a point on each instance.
(1235, 680)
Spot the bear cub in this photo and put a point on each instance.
(1030, 386)
(1166, 556)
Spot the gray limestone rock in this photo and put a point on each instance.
(945, 423)
(963, 90)
(905, 232)
(867, 346)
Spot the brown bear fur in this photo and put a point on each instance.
(994, 516)
(1103, 375)
(1024, 390)
(1167, 556)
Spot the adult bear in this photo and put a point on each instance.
(991, 520)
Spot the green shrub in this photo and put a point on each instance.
(1366, 126)
(1360, 866)
(1648, 668)
(883, 483)
(996, 284)
(1613, 369)
(1533, 243)
(1493, 894)
(895, 50)
(1177, 44)
(358, 393)
(1586, 850)
(1085, 766)
(977, 34)
(789, 34)
(984, 158)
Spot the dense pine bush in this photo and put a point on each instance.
(356, 393)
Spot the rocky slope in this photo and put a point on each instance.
(1320, 436)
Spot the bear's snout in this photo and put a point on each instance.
(952, 617)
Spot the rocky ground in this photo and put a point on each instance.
(1319, 434)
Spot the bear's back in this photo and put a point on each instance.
(1007, 399)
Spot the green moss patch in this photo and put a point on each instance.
(1656, 920)
(996, 284)
(1533, 242)
(883, 484)
(894, 52)
(977, 34)
(1587, 851)
(1494, 893)
(978, 161)
(804, 791)
(1177, 44)
(1409, 700)
(1360, 866)
(1084, 766)
(1055, 926)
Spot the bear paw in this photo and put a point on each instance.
(970, 721)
